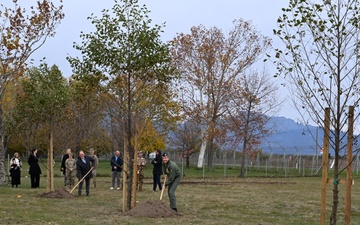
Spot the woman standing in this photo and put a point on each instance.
(15, 170)
(34, 169)
(157, 170)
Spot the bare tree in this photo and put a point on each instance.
(251, 104)
(186, 139)
(320, 61)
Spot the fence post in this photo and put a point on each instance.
(304, 167)
(225, 166)
(266, 167)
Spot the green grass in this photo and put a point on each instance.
(212, 199)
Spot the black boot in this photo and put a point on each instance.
(175, 209)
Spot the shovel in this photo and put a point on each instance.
(81, 179)
(163, 188)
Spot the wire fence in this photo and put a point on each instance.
(268, 165)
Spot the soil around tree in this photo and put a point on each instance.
(58, 193)
(149, 209)
(152, 209)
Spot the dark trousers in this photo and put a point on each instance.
(87, 186)
(15, 181)
(156, 181)
(15, 177)
(117, 175)
(35, 180)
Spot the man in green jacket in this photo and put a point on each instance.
(172, 174)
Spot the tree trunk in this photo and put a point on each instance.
(333, 217)
(2, 149)
(127, 141)
(211, 155)
(187, 162)
(242, 170)
(203, 141)
(202, 152)
(51, 159)
(245, 139)
(135, 168)
(125, 186)
(130, 179)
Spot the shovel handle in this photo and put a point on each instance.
(81, 180)
(163, 188)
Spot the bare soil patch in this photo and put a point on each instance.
(151, 209)
(58, 193)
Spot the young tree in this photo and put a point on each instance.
(186, 139)
(210, 61)
(86, 114)
(252, 102)
(320, 61)
(20, 35)
(45, 95)
(134, 62)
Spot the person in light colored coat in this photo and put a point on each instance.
(15, 170)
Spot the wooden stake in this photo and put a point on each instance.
(349, 180)
(325, 166)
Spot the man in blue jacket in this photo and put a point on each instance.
(116, 163)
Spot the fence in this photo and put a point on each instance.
(269, 165)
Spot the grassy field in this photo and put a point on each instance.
(201, 200)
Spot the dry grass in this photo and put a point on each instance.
(249, 201)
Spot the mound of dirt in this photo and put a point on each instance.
(59, 193)
(152, 209)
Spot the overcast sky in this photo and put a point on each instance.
(179, 17)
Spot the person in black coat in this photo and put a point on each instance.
(34, 169)
(83, 167)
(15, 170)
(157, 170)
(116, 164)
(63, 166)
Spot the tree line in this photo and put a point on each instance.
(129, 89)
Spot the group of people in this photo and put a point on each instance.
(84, 168)
(34, 169)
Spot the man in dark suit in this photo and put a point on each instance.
(116, 163)
(84, 168)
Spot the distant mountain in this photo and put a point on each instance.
(290, 137)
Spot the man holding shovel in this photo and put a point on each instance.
(172, 179)
(84, 167)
